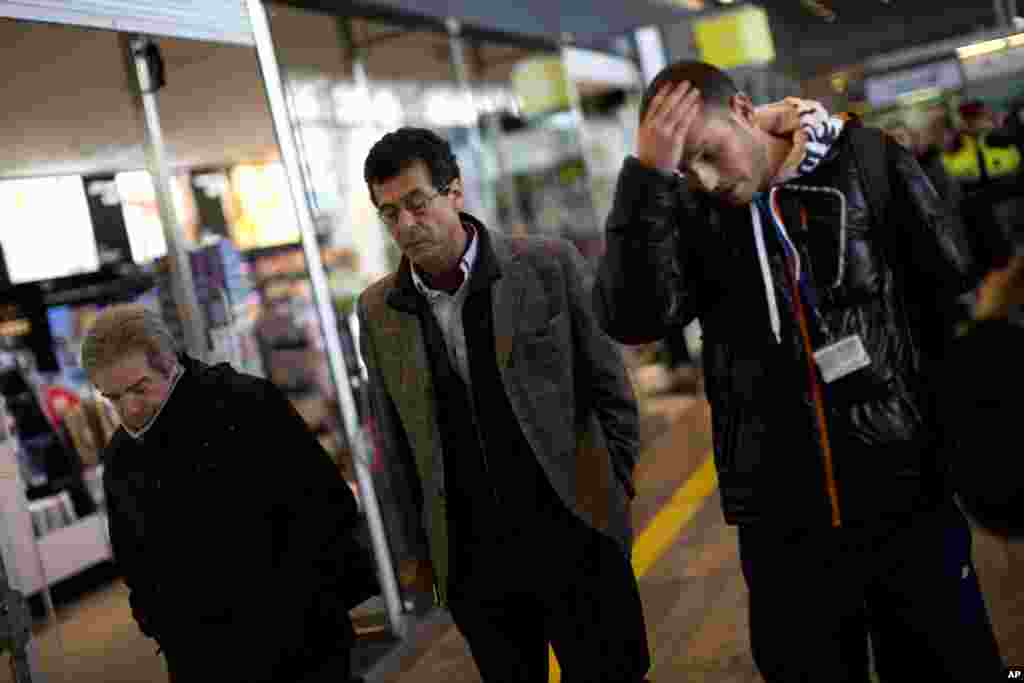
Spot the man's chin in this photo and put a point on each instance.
(422, 256)
(136, 426)
(735, 198)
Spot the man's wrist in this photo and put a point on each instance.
(635, 165)
(654, 166)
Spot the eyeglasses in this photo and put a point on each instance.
(415, 202)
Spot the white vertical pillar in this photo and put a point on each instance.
(579, 121)
(357, 439)
(15, 619)
(650, 51)
(1002, 21)
(464, 83)
(183, 289)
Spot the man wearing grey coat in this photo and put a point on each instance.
(510, 414)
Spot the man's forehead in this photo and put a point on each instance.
(413, 177)
(122, 373)
(705, 130)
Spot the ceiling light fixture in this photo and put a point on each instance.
(819, 9)
(989, 46)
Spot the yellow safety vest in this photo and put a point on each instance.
(963, 163)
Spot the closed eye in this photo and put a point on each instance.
(136, 388)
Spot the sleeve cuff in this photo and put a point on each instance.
(645, 199)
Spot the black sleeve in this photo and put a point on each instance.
(982, 380)
(315, 517)
(123, 545)
(927, 236)
(646, 281)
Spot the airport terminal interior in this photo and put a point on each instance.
(205, 158)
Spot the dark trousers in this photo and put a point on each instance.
(815, 596)
(565, 584)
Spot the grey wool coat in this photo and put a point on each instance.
(564, 378)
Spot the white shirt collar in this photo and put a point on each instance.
(178, 372)
(466, 263)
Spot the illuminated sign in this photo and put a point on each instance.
(265, 216)
(936, 77)
(736, 38)
(46, 231)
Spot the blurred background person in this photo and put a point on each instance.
(983, 380)
(928, 152)
(974, 161)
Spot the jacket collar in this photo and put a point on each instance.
(177, 401)
(407, 298)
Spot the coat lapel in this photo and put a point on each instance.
(507, 301)
(402, 356)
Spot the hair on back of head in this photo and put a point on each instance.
(715, 86)
(397, 151)
(123, 329)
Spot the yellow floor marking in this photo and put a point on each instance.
(663, 530)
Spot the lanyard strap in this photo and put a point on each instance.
(766, 273)
(768, 205)
(792, 254)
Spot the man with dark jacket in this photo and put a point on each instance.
(984, 379)
(510, 412)
(233, 529)
(758, 222)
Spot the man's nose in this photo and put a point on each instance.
(405, 218)
(130, 406)
(706, 177)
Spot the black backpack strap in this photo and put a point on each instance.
(870, 151)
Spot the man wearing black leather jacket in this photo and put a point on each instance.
(768, 225)
(235, 533)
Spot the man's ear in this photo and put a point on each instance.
(456, 193)
(741, 106)
(163, 363)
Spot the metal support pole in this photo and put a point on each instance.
(16, 620)
(581, 127)
(463, 81)
(356, 54)
(358, 441)
(139, 49)
(15, 616)
(16, 631)
(1000, 11)
(651, 56)
(505, 182)
(357, 57)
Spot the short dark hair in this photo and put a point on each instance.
(716, 88)
(397, 151)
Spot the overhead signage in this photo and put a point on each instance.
(741, 37)
(1006, 62)
(890, 88)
